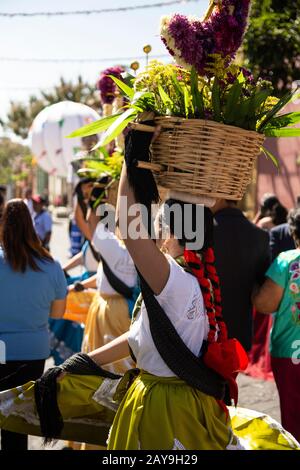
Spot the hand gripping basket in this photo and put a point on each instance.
(203, 157)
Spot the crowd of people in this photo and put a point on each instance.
(251, 268)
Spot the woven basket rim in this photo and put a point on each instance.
(209, 122)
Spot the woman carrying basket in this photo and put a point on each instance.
(180, 384)
(110, 312)
(181, 285)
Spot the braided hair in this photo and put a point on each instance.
(202, 264)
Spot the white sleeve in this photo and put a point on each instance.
(181, 297)
(109, 246)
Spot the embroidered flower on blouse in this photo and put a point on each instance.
(294, 288)
(296, 275)
(193, 311)
(295, 266)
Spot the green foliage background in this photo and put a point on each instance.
(272, 42)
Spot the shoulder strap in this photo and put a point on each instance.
(178, 357)
(117, 284)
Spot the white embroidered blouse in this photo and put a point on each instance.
(182, 301)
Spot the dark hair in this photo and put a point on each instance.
(2, 202)
(78, 191)
(208, 222)
(201, 263)
(278, 214)
(294, 223)
(268, 201)
(19, 240)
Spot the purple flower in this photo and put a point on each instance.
(221, 34)
(106, 85)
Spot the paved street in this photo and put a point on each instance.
(256, 394)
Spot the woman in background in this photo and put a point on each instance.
(281, 294)
(32, 287)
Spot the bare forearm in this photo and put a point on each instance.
(73, 262)
(268, 297)
(89, 283)
(114, 351)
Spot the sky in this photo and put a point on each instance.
(109, 35)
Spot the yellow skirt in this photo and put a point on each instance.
(165, 413)
(108, 318)
(155, 412)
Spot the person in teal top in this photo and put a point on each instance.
(280, 296)
(285, 271)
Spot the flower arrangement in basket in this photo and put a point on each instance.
(213, 115)
(103, 162)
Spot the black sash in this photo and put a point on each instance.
(117, 284)
(178, 357)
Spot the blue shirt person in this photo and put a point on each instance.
(32, 288)
(42, 221)
(25, 307)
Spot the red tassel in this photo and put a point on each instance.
(209, 256)
(227, 358)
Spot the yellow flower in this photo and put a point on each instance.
(270, 102)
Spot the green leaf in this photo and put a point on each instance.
(232, 101)
(168, 103)
(186, 102)
(95, 127)
(128, 78)
(281, 103)
(117, 127)
(215, 97)
(283, 132)
(241, 78)
(125, 88)
(178, 88)
(245, 113)
(270, 155)
(255, 104)
(140, 100)
(103, 151)
(179, 95)
(197, 97)
(285, 120)
(258, 99)
(100, 168)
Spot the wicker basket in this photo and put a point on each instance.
(204, 157)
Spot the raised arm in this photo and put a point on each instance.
(151, 263)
